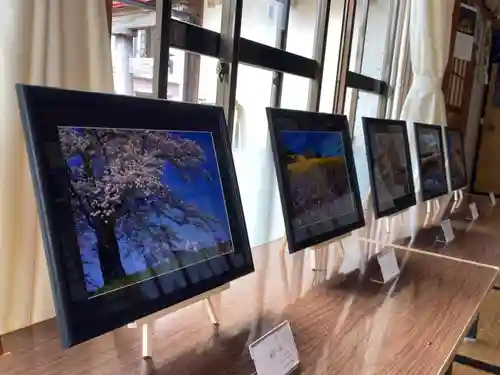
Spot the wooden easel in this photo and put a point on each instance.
(146, 324)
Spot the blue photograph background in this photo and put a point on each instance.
(145, 203)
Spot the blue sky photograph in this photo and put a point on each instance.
(319, 143)
(145, 203)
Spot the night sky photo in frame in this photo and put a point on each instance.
(318, 175)
(389, 165)
(431, 161)
(456, 157)
(136, 200)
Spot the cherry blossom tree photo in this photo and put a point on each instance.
(144, 202)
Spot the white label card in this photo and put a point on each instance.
(493, 199)
(388, 265)
(473, 210)
(275, 353)
(449, 234)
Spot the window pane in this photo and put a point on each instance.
(376, 38)
(358, 36)
(366, 106)
(192, 77)
(331, 55)
(209, 12)
(253, 157)
(295, 92)
(261, 19)
(301, 26)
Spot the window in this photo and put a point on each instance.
(334, 33)
(284, 50)
(302, 26)
(252, 156)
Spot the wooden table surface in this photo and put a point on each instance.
(343, 324)
(476, 241)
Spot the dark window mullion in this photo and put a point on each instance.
(161, 50)
(319, 49)
(281, 40)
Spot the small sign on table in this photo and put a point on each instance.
(493, 199)
(275, 353)
(389, 266)
(473, 210)
(449, 234)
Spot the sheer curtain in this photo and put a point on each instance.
(430, 34)
(44, 42)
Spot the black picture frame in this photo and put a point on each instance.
(44, 111)
(372, 127)
(454, 138)
(284, 121)
(442, 185)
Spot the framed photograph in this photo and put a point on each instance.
(138, 203)
(316, 176)
(456, 159)
(389, 165)
(430, 152)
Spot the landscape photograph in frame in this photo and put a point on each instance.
(316, 176)
(430, 152)
(456, 159)
(138, 203)
(389, 165)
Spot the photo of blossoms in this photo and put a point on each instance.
(145, 203)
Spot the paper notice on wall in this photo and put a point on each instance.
(464, 45)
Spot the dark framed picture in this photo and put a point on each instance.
(389, 165)
(430, 152)
(316, 176)
(138, 203)
(456, 159)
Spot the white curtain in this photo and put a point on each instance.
(430, 35)
(45, 42)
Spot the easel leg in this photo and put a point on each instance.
(437, 208)
(427, 214)
(147, 364)
(211, 312)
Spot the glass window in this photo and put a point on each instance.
(262, 19)
(361, 104)
(253, 157)
(358, 36)
(377, 38)
(301, 26)
(295, 92)
(192, 77)
(332, 55)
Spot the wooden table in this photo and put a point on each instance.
(343, 324)
(475, 241)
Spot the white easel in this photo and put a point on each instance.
(146, 324)
(431, 205)
(316, 249)
(386, 221)
(458, 197)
